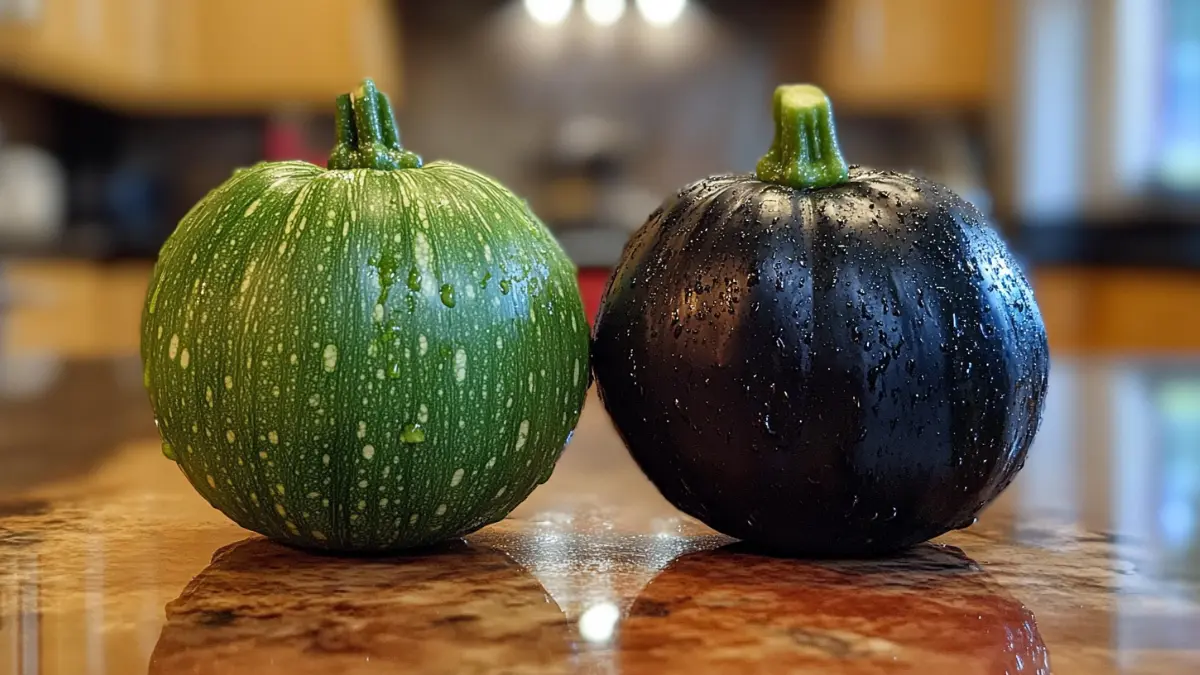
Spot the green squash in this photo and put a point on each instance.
(373, 356)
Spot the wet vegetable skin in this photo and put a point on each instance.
(374, 356)
(839, 370)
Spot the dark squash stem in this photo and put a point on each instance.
(805, 154)
(367, 136)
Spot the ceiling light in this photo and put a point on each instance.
(548, 12)
(604, 12)
(661, 12)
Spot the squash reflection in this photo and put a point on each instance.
(261, 607)
(931, 610)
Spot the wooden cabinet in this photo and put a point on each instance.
(198, 55)
(72, 309)
(1119, 311)
(901, 54)
(43, 38)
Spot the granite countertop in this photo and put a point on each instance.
(110, 563)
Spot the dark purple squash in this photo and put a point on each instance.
(822, 359)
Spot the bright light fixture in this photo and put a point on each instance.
(548, 12)
(604, 12)
(661, 12)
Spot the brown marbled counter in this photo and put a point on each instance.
(111, 564)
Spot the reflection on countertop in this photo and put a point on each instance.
(110, 563)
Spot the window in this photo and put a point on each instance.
(1179, 157)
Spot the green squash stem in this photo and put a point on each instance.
(367, 135)
(805, 153)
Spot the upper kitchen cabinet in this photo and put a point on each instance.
(903, 54)
(200, 55)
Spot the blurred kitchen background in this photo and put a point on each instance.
(1075, 123)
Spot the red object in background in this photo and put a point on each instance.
(285, 138)
(591, 286)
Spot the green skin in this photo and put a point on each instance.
(364, 359)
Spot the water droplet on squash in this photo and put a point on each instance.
(394, 371)
(412, 433)
(169, 452)
(505, 286)
(448, 295)
(966, 523)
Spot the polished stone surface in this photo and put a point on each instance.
(110, 563)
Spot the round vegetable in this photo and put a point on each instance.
(822, 359)
(374, 356)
